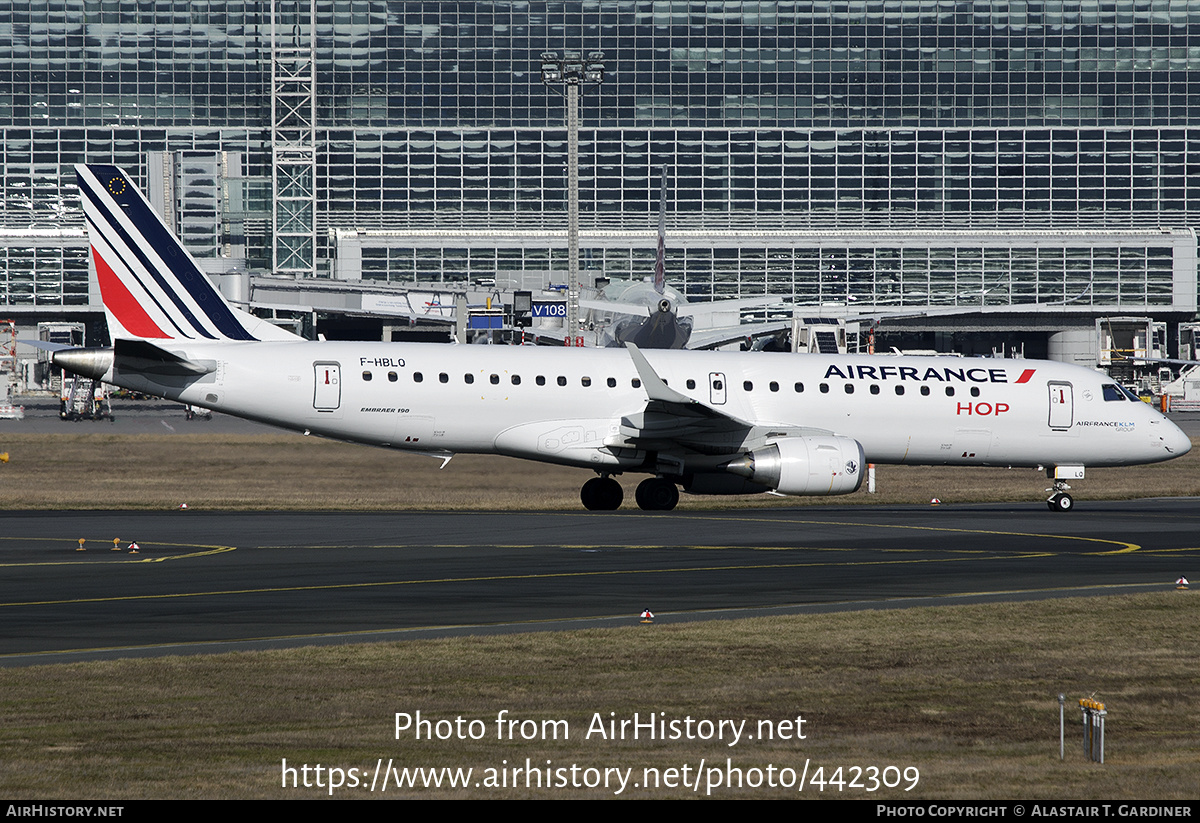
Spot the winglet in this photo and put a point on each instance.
(655, 388)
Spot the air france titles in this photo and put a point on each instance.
(943, 374)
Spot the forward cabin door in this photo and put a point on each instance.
(1062, 405)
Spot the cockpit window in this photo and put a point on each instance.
(1112, 392)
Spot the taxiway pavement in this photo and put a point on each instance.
(209, 581)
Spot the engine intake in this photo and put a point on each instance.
(817, 465)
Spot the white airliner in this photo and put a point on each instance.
(709, 422)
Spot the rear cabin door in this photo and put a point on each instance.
(328, 393)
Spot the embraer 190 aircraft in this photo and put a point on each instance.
(709, 422)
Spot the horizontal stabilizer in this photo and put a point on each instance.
(130, 357)
(44, 345)
(143, 356)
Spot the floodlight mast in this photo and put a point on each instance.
(573, 71)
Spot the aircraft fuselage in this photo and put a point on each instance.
(574, 406)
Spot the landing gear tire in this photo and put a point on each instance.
(601, 494)
(657, 494)
(1061, 502)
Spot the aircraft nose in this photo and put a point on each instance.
(1172, 438)
(1182, 444)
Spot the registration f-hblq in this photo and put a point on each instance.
(709, 422)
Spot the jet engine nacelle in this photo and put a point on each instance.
(816, 465)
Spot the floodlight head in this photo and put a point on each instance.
(551, 72)
(572, 67)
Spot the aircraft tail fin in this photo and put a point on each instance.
(660, 262)
(151, 287)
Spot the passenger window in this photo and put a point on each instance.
(586, 381)
(418, 377)
(799, 388)
(748, 385)
(824, 388)
(899, 390)
(924, 391)
(773, 386)
(637, 384)
(392, 377)
(612, 382)
(367, 376)
(849, 388)
(562, 381)
(691, 384)
(974, 391)
(874, 388)
(949, 391)
(516, 379)
(495, 378)
(540, 380)
(443, 378)
(468, 378)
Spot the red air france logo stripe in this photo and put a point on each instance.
(122, 304)
(1025, 375)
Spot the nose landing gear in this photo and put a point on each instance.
(1060, 501)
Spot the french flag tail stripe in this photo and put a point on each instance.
(149, 261)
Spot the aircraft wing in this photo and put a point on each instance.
(725, 305)
(636, 309)
(723, 336)
(1169, 361)
(672, 420)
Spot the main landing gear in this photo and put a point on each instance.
(657, 494)
(604, 494)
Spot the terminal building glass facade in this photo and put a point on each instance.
(884, 152)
